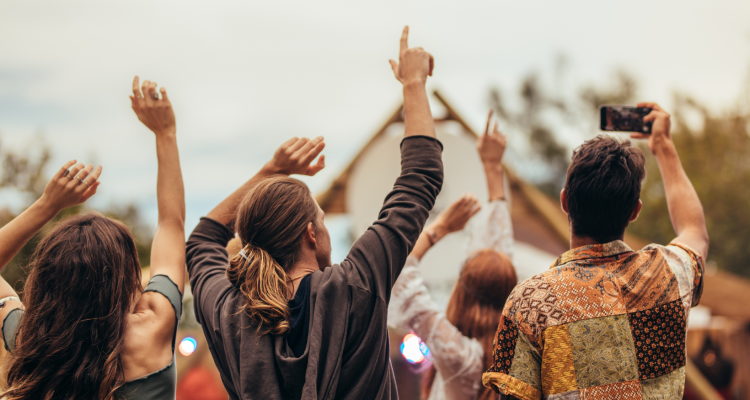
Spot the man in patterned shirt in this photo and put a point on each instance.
(607, 322)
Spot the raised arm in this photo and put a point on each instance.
(452, 219)
(412, 69)
(380, 253)
(491, 148)
(496, 230)
(168, 249)
(685, 207)
(72, 184)
(293, 157)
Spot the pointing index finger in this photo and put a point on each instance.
(489, 120)
(404, 39)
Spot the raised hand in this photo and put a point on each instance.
(296, 155)
(155, 112)
(491, 145)
(455, 217)
(660, 134)
(413, 64)
(73, 184)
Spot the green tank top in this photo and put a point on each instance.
(161, 384)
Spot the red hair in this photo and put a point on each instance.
(485, 282)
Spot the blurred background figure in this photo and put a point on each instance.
(460, 340)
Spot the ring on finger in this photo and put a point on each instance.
(155, 95)
(87, 184)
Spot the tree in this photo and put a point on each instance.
(23, 175)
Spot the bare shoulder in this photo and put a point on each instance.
(149, 336)
(154, 313)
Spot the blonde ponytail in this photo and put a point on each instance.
(271, 221)
(263, 282)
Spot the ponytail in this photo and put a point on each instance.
(263, 283)
(271, 221)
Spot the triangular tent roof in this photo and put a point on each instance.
(539, 221)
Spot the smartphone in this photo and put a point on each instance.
(624, 119)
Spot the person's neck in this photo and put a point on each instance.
(298, 270)
(579, 241)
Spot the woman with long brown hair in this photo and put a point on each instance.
(281, 321)
(460, 340)
(86, 328)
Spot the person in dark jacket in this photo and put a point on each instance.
(281, 322)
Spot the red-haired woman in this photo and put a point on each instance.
(460, 340)
(87, 329)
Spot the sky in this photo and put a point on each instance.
(244, 76)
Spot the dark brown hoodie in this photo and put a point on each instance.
(347, 353)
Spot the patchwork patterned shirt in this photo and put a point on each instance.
(604, 322)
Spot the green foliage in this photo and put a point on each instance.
(23, 175)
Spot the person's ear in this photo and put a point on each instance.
(564, 201)
(636, 211)
(310, 234)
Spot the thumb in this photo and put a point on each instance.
(477, 207)
(314, 169)
(90, 192)
(394, 66)
(651, 116)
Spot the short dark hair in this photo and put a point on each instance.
(603, 186)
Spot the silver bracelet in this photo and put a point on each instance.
(6, 299)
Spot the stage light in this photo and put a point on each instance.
(187, 346)
(413, 349)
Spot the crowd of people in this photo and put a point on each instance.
(282, 322)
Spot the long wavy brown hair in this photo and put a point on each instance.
(82, 280)
(475, 307)
(270, 223)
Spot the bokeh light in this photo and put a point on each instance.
(187, 346)
(413, 349)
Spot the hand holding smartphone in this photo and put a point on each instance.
(624, 119)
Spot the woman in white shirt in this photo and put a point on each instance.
(460, 340)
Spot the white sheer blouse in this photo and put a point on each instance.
(457, 358)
